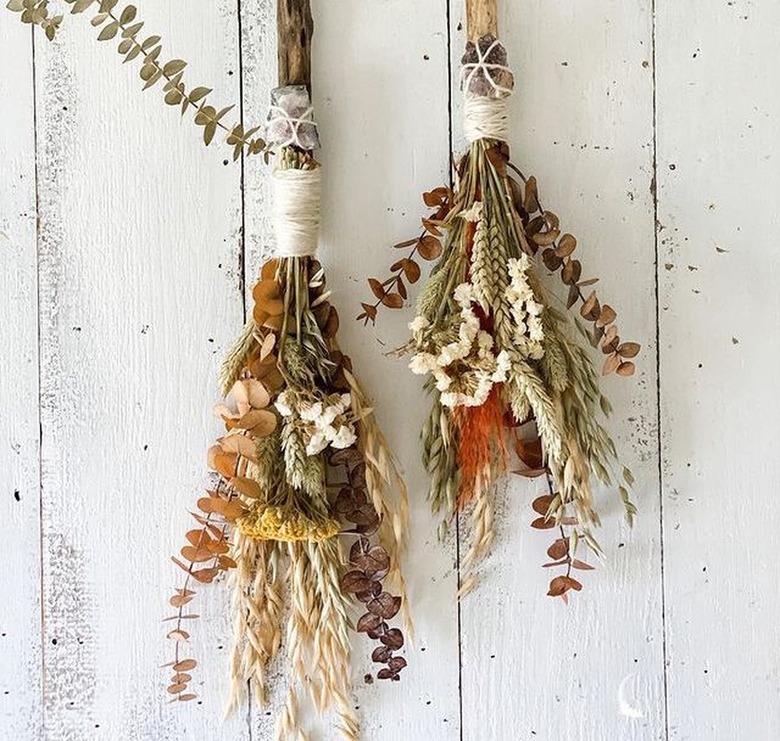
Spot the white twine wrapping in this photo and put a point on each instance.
(485, 118)
(296, 211)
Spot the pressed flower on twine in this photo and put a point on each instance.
(512, 386)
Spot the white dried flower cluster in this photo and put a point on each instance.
(462, 361)
(526, 310)
(324, 422)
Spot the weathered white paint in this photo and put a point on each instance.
(719, 180)
(20, 614)
(140, 258)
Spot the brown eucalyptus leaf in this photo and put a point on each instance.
(546, 238)
(248, 487)
(566, 246)
(355, 581)
(385, 605)
(179, 635)
(541, 505)
(581, 565)
(397, 663)
(607, 316)
(378, 632)
(196, 555)
(368, 622)
(551, 260)
(258, 422)
(540, 523)
(412, 271)
(241, 445)
(571, 583)
(386, 674)
(559, 549)
(381, 654)
(429, 248)
(626, 369)
(393, 639)
(573, 297)
(393, 301)
(376, 560)
(369, 594)
(377, 288)
(174, 689)
(558, 587)
(530, 202)
(185, 665)
(186, 698)
(629, 349)
(611, 365)
(571, 272)
(179, 600)
(591, 308)
(205, 576)
(534, 226)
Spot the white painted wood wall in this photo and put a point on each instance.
(653, 128)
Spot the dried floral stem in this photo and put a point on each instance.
(126, 25)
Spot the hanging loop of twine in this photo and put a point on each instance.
(487, 82)
(296, 211)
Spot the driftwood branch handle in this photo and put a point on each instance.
(482, 18)
(295, 28)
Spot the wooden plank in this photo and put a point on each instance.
(377, 160)
(139, 247)
(20, 618)
(718, 115)
(582, 122)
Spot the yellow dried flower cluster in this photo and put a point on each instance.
(286, 523)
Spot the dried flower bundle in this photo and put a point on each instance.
(307, 505)
(508, 374)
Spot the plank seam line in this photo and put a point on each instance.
(659, 420)
(41, 591)
(242, 253)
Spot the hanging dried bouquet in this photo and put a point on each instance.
(512, 384)
(306, 513)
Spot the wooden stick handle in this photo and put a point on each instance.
(481, 18)
(295, 28)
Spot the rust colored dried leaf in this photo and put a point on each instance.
(393, 301)
(196, 555)
(179, 635)
(591, 308)
(626, 369)
(611, 365)
(559, 549)
(566, 246)
(607, 316)
(551, 260)
(186, 698)
(381, 655)
(377, 288)
(174, 689)
(385, 605)
(530, 202)
(355, 581)
(546, 238)
(629, 349)
(541, 505)
(429, 248)
(368, 622)
(558, 587)
(412, 271)
(248, 487)
(393, 639)
(185, 665)
(571, 273)
(540, 523)
(581, 565)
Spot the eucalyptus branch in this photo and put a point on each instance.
(126, 26)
